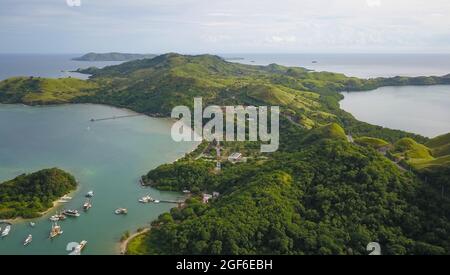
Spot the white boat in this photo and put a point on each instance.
(146, 199)
(72, 213)
(121, 211)
(90, 194)
(58, 217)
(87, 205)
(6, 231)
(65, 199)
(156, 201)
(55, 231)
(28, 240)
(77, 250)
(32, 224)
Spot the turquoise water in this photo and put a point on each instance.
(418, 109)
(107, 157)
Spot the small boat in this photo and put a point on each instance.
(156, 201)
(87, 205)
(32, 224)
(28, 240)
(77, 250)
(186, 191)
(65, 199)
(314, 62)
(146, 199)
(121, 211)
(71, 213)
(58, 217)
(55, 231)
(6, 231)
(90, 194)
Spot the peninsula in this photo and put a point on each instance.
(113, 56)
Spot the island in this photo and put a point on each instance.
(335, 184)
(113, 56)
(29, 195)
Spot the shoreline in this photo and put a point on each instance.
(55, 204)
(123, 245)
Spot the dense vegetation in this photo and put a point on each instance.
(332, 197)
(319, 194)
(29, 195)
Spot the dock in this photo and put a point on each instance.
(114, 117)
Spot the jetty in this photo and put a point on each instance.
(114, 117)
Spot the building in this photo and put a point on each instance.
(206, 198)
(235, 157)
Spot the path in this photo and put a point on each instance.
(124, 244)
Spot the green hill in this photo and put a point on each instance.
(440, 146)
(372, 142)
(331, 131)
(29, 195)
(412, 150)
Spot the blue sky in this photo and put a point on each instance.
(225, 26)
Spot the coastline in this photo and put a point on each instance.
(55, 204)
(123, 246)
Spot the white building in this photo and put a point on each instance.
(235, 157)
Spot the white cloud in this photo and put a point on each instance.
(373, 3)
(283, 39)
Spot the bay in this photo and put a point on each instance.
(107, 157)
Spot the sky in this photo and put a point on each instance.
(225, 26)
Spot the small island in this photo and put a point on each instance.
(114, 56)
(29, 195)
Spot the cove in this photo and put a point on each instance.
(422, 110)
(105, 156)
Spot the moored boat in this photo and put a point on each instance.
(87, 205)
(6, 231)
(28, 240)
(71, 213)
(146, 199)
(55, 231)
(121, 211)
(58, 217)
(77, 250)
(90, 194)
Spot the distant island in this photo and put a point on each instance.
(29, 195)
(114, 56)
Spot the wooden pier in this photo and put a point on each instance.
(114, 117)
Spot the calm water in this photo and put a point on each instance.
(359, 65)
(419, 109)
(44, 65)
(107, 157)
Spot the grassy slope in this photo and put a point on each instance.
(371, 142)
(32, 91)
